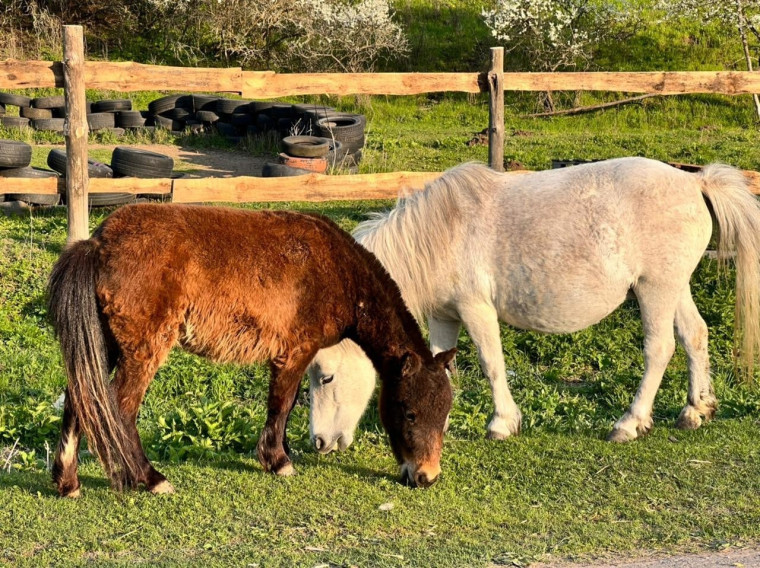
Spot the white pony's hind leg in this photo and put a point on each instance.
(658, 308)
(692, 334)
(482, 323)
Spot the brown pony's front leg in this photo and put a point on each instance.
(67, 455)
(283, 388)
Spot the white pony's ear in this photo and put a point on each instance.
(446, 358)
(410, 364)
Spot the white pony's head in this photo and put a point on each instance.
(341, 381)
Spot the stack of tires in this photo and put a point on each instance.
(56, 160)
(43, 113)
(114, 115)
(348, 129)
(306, 154)
(15, 158)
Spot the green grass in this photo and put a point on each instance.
(556, 491)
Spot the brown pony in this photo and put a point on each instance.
(239, 286)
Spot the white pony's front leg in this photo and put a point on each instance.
(482, 323)
(657, 316)
(443, 334)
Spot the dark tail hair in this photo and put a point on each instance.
(73, 307)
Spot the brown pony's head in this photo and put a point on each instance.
(414, 407)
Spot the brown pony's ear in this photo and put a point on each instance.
(410, 364)
(446, 358)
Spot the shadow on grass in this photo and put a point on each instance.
(40, 482)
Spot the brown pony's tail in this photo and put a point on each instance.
(737, 213)
(73, 307)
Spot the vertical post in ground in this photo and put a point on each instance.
(496, 110)
(77, 178)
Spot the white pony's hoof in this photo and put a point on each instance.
(620, 436)
(501, 428)
(163, 488)
(286, 471)
(689, 419)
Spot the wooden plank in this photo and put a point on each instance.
(664, 83)
(45, 186)
(267, 84)
(127, 76)
(96, 185)
(311, 187)
(75, 132)
(496, 110)
(156, 186)
(16, 74)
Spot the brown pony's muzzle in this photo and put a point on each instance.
(423, 476)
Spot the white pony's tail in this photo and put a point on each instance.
(737, 213)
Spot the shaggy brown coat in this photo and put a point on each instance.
(233, 286)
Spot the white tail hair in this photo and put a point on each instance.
(737, 213)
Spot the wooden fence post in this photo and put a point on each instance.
(496, 110)
(77, 177)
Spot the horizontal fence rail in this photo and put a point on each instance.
(127, 77)
(246, 189)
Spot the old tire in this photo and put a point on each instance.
(166, 103)
(204, 102)
(14, 122)
(112, 105)
(341, 127)
(271, 169)
(55, 101)
(130, 162)
(35, 113)
(100, 120)
(56, 161)
(14, 154)
(49, 124)
(130, 119)
(15, 100)
(316, 165)
(206, 116)
(305, 146)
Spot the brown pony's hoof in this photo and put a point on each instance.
(162, 488)
(72, 494)
(286, 470)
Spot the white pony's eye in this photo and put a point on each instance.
(325, 380)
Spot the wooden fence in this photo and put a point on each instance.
(74, 73)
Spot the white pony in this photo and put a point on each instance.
(555, 251)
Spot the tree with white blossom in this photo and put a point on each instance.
(743, 16)
(554, 34)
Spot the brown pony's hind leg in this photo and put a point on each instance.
(283, 389)
(131, 382)
(67, 455)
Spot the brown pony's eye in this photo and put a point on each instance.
(410, 416)
(325, 380)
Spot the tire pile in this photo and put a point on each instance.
(15, 158)
(48, 113)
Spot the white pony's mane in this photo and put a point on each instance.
(413, 240)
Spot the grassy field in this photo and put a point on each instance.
(557, 491)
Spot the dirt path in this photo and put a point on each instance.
(202, 162)
(748, 558)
